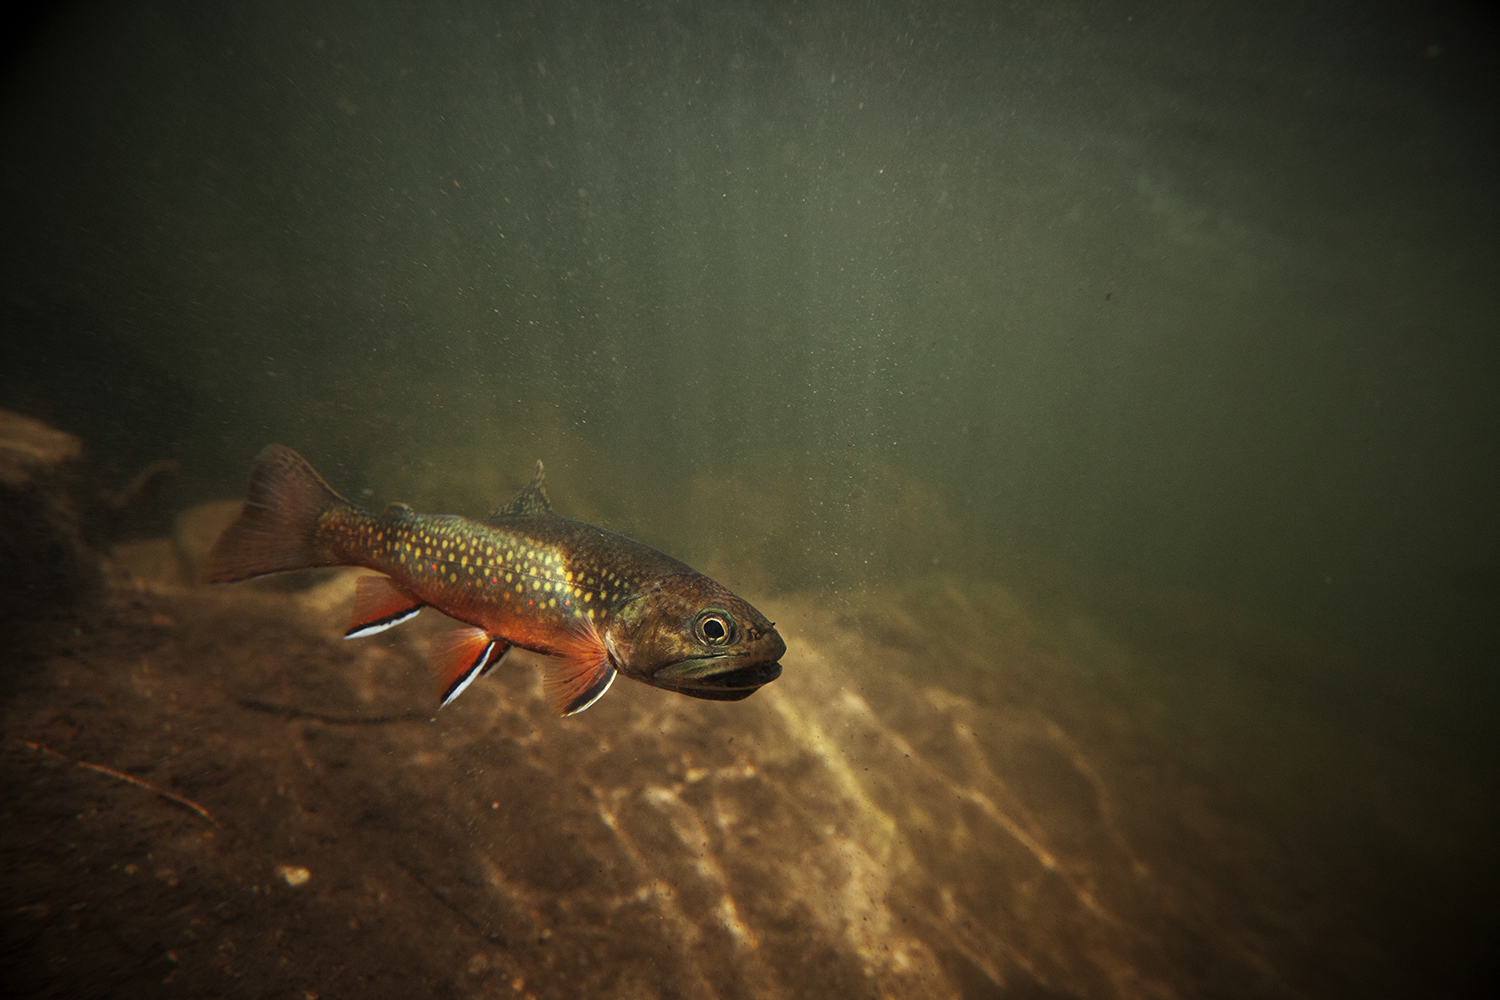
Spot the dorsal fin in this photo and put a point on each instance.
(530, 502)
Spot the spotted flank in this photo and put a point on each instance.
(598, 603)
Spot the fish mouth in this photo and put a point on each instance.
(698, 678)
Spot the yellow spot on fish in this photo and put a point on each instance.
(518, 588)
(588, 597)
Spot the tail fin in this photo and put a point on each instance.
(278, 528)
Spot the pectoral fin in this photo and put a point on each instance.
(378, 605)
(581, 671)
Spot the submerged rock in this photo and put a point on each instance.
(31, 451)
(886, 820)
(196, 529)
(47, 568)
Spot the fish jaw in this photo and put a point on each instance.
(720, 678)
(660, 638)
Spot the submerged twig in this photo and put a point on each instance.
(442, 896)
(130, 779)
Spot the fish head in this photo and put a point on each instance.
(687, 633)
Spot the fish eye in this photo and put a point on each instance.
(715, 626)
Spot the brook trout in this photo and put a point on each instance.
(600, 604)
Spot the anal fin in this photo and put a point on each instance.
(461, 657)
(378, 605)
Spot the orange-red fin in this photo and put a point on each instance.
(461, 657)
(378, 605)
(278, 526)
(581, 671)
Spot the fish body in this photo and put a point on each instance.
(599, 603)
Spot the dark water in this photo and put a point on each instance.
(1175, 328)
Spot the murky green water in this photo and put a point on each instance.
(1175, 326)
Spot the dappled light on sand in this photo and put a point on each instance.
(871, 825)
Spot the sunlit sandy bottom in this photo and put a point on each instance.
(911, 811)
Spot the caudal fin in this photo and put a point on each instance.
(277, 529)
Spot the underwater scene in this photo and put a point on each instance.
(724, 500)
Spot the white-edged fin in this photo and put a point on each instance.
(571, 690)
(501, 651)
(375, 628)
(460, 657)
(582, 669)
(378, 605)
(468, 677)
